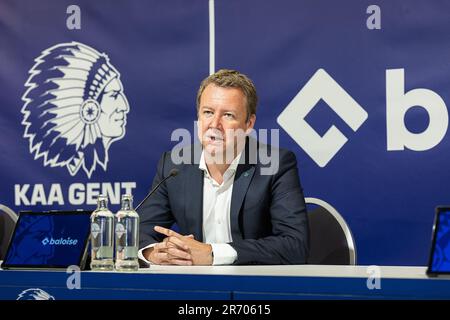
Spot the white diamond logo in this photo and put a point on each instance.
(321, 86)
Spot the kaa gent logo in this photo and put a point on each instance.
(35, 294)
(292, 119)
(74, 108)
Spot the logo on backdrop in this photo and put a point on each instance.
(74, 108)
(34, 294)
(321, 86)
(398, 102)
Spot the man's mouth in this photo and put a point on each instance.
(215, 138)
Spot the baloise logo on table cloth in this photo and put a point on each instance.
(74, 108)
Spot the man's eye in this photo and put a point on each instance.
(207, 112)
(229, 115)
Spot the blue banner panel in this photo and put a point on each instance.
(384, 168)
(63, 145)
(92, 92)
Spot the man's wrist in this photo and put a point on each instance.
(223, 254)
(145, 256)
(147, 253)
(211, 255)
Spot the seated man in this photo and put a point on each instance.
(228, 208)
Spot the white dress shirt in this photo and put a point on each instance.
(216, 214)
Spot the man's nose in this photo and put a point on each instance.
(215, 122)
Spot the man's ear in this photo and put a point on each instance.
(250, 123)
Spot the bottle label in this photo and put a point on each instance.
(130, 252)
(120, 231)
(104, 253)
(95, 230)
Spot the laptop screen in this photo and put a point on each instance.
(49, 240)
(440, 250)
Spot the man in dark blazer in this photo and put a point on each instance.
(230, 204)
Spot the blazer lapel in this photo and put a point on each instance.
(242, 179)
(193, 194)
(193, 189)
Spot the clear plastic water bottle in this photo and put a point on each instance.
(127, 236)
(102, 236)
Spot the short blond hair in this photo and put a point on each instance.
(232, 79)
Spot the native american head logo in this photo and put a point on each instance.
(35, 294)
(74, 107)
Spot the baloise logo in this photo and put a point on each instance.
(74, 108)
(322, 86)
(59, 242)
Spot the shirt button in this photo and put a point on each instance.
(219, 222)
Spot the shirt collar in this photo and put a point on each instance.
(231, 169)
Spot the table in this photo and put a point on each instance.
(231, 283)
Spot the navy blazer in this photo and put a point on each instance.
(269, 223)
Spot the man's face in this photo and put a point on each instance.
(114, 107)
(222, 121)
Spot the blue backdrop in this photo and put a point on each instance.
(161, 50)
